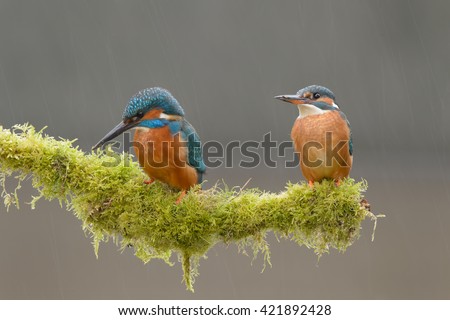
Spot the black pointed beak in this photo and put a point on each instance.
(120, 128)
(293, 99)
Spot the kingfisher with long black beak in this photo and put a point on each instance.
(167, 146)
(321, 135)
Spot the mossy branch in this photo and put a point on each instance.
(106, 192)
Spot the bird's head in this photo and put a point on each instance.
(145, 106)
(312, 100)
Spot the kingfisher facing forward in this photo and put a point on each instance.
(321, 135)
(167, 146)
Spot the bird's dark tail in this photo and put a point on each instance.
(200, 177)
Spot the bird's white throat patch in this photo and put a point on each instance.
(305, 110)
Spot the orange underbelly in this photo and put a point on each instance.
(164, 157)
(323, 144)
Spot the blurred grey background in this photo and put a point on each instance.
(72, 65)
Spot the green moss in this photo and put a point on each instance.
(106, 192)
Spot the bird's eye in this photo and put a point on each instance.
(140, 114)
(316, 95)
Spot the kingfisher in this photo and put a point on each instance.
(167, 146)
(321, 135)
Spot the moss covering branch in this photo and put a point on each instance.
(106, 192)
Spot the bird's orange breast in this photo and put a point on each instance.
(323, 143)
(163, 157)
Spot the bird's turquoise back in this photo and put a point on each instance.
(195, 154)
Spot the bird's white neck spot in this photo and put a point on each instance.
(335, 105)
(305, 110)
(170, 116)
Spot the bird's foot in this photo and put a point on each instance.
(149, 181)
(337, 182)
(180, 198)
(311, 184)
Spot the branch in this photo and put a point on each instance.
(106, 192)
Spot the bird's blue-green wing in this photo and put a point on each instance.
(350, 142)
(195, 155)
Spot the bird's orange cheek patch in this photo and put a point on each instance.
(152, 114)
(326, 100)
